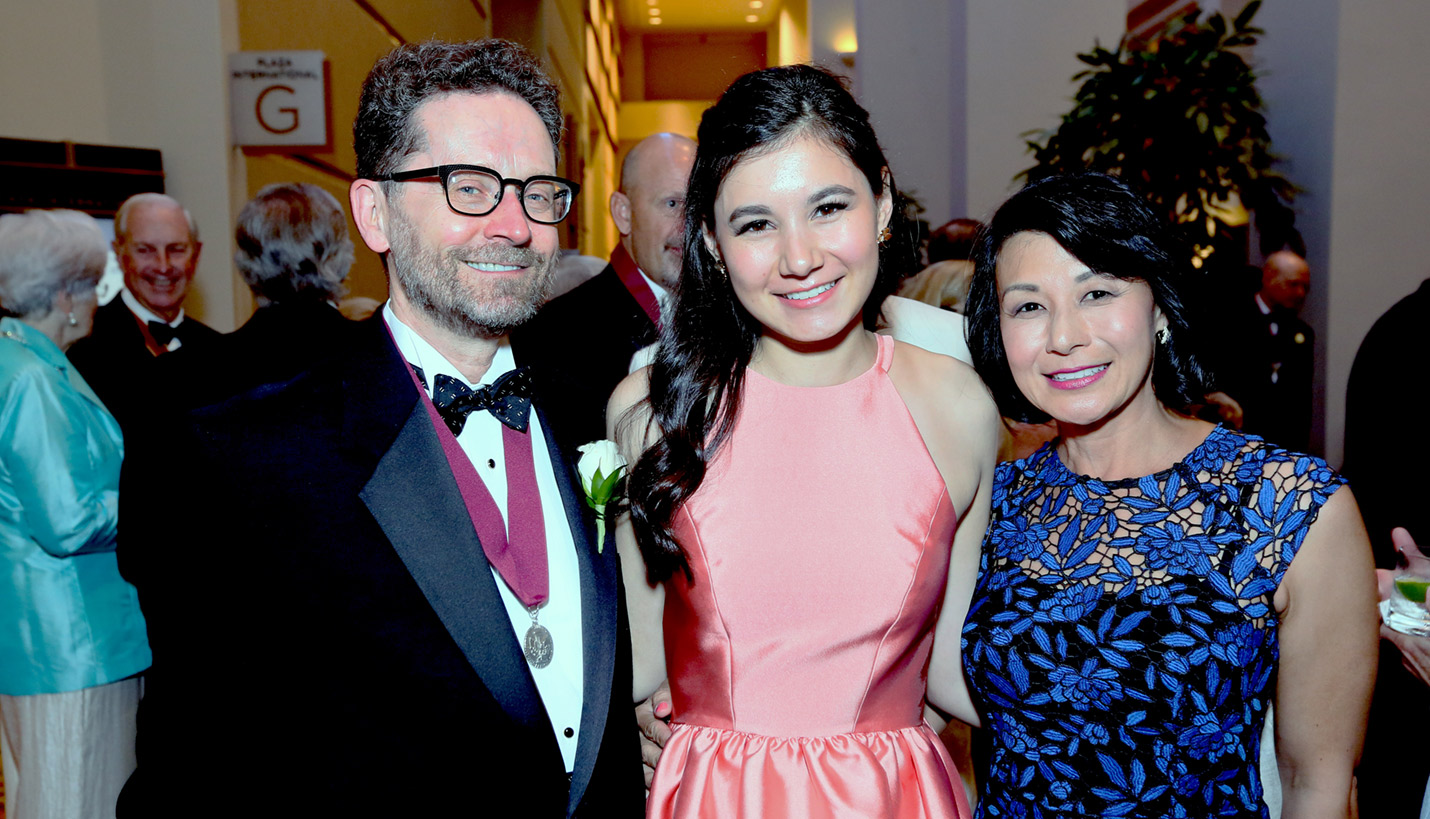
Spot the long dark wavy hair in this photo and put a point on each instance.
(698, 375)
(1107, 226)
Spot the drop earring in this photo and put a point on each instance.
(885, 235)
(74, 322)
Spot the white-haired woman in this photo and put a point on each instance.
(293, 245)
(293, 251)
(72, 639)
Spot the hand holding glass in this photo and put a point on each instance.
(1408, 614)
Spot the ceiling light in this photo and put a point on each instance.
(652, 2)
(752, 18)
(654, 12)
(757, 4)
(655, 21)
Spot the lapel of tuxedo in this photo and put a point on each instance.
(415, 500)
(119, 327)
(598, 615)
(622, 309)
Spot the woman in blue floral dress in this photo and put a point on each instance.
(1150, 583)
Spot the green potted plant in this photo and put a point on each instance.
(1179, 118)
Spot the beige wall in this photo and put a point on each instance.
(789, 36)
(352, 38)
(1021, 56)
(578, 42)
(1379, 189)
(1346, 105)
(143, 73)
(646, 118)
(48, 52)
(832, 28)
(952, 89)
(575, 39)
(639, 117)
(152, 74)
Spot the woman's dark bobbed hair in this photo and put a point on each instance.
(1110, 228)
(698, 374)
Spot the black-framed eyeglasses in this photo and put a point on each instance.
(473, 190)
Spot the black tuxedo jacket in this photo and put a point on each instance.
(115, 360)
(328, 638)
(278, 342)
(580, 345)
(1385, 449)
(1278, 410)
(1385, 452)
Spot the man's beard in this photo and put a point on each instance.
(465, 301)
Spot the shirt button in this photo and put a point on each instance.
(569, 733)
(491, 463)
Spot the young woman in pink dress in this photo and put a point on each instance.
(808, 498)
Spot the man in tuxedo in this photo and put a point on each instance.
(1268, 357)
(365, 601)
(293, 252)
(157, 245)
(582, 341)
(1383, 460)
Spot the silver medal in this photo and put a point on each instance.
(538, 646)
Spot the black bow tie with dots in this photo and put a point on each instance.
(508, 399)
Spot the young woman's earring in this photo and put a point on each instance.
(885, 236)
(1163, 334)
(720, 263)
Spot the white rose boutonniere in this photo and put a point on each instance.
(601, 469)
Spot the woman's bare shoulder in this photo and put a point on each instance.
(628, 413)
(943, 380)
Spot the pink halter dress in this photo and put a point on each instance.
(798, 658)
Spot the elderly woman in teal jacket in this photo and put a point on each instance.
(72, 639)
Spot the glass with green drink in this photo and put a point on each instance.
(1408, 614)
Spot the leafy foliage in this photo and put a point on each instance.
(1180, 119)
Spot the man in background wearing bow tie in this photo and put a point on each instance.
(377, 589)
(1267, 359)
(157, 245)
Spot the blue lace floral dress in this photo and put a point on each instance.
(1121, 643)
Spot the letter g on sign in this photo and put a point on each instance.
(264, 119)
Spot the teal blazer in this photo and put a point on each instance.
(68, 620)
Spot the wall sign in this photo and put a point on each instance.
(278, 98)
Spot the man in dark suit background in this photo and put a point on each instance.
(293, 252)
(1268, 355)
(157, 245)
(582, 341)
(366, 602)
(1384, 459)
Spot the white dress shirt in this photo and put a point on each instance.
(645, 355)
(146, 315)
(1275, 328)
(923, 325)
(662, 296)
(560, 683)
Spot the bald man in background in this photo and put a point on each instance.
(581, 343)
(1267, 362)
